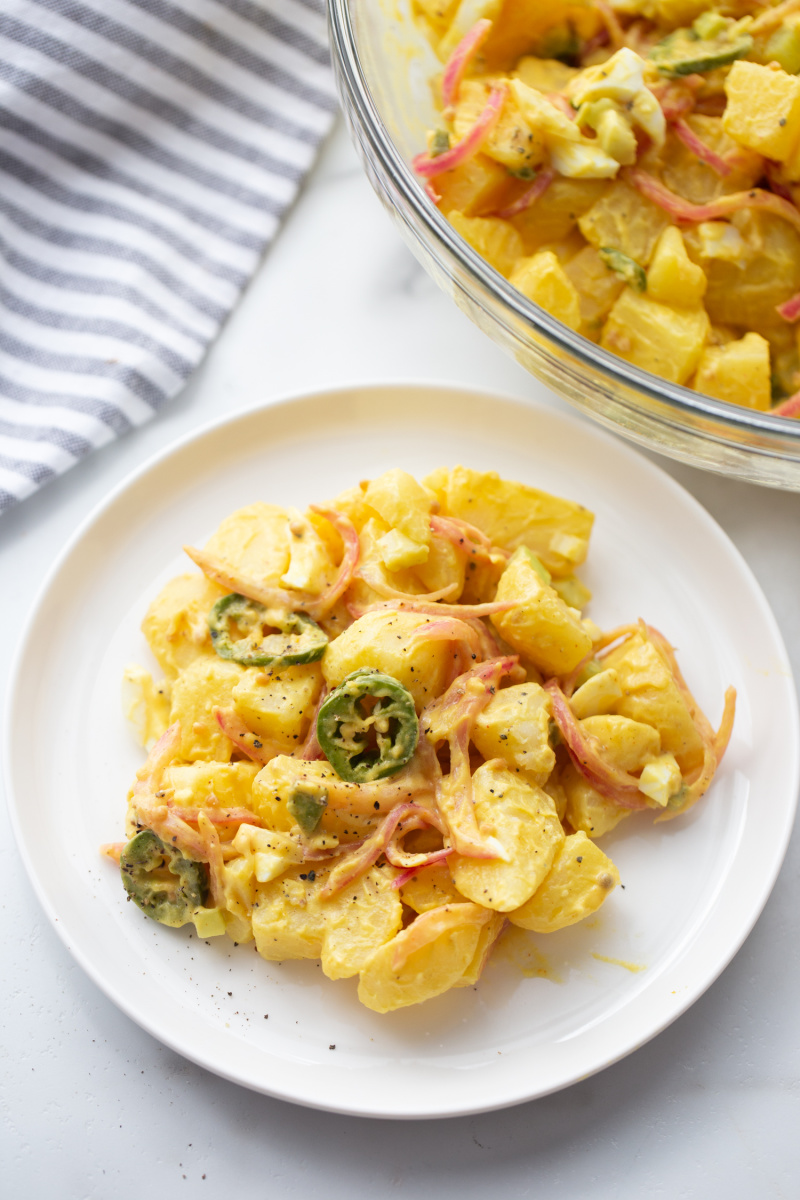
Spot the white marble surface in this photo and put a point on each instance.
(92, 1107)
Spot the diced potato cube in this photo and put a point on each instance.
(287, 923)
(763, 109)
(738, 372)
(206, 684)
(193, 784)
(541, 627)
(431, 887)
(666, 341)
(513, 514)
(598, 695)
(476, 186)
(578, 882)
(514, 726)
(425, 959)
(586, 809)
(688, 176)
(176, 623)
(385, 641)
(254, 541)
(542, 279)
(554, 216)
(489, 933)
(672, 277)
(624, 743)
(359, 919)
(402, 503)
(650, 695)
(238, 883)
(275, 785)
(744, 292)
(597, 288)
(494, 239)
(624, 220)
(278, 705)
(524, 820)
(292, 920)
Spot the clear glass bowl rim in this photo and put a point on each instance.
(729, 423)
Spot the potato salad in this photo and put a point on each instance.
(383, 728)
(633, 166)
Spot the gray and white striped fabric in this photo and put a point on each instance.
(148, 150)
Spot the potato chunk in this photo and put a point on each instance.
(664, 340)
(275, 784)
(524, 820)
(278, 705)
(206, 684)
(359, 919)
(673, 278)
(385, 641)
(586, 809)
(291, 920)
(514, 514)
(514, 726)
(624, 743)
(541, 627)
(431, 887)
(597, 288)
(403, 504)
(738, 372)
(650, 695)
(176, 623)
(555, 215)
(254, 541)
(624, 220)
(542, 279)
(494, 239)
(194, 783)
(476, 186)
(763, 109)
(578, 882)
(427, 958)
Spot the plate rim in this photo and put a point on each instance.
(242, 415)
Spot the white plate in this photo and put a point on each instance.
(693, 888)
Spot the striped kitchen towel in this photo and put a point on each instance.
(148, 150)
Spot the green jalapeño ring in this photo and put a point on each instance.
(367, 727)
(238, 632)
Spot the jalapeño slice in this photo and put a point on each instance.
(693, 52)
(163, 883)
(240, 631)
(367, 727)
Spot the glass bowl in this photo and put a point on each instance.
(384, 66)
